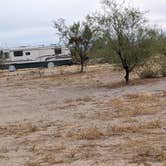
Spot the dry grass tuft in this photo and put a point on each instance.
(148, 97)
(134, 128)
(32, 163)
(79, 100)
(86, 134)
(85, 99)
(51, 159)
(72, 152)
(19, 130)
(146, 153)
(130, 105)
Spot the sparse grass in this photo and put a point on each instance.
(136, 105)
(147, 153)
(149, 74)
(19, 130)
(103, 115)
(71, 152)
(134, 128)
(85, 99)
(51, 159)
(130, 105)
(32, 163)
(163, 70)
(92, 133)
(67, 134)
(142, 97)
(4, 149)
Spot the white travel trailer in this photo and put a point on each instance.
(41, 56)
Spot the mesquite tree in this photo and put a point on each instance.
(125, 30)
(78, 37)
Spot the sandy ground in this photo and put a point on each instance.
(66, 118)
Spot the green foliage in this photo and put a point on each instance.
(125, 31)
(100, 53)
(78, 37)
(119, 34)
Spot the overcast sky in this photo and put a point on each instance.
(30, 22)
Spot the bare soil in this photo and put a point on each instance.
(65, 118)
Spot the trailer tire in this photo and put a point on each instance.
(50, 65)
(12, 68)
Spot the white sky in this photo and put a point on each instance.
(30, 22)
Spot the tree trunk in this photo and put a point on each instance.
(81, 62)
(127, 75)
(82, 68)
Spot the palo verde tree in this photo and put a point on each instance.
(78, 37)
(125, 30)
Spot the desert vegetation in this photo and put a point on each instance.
(97, 121)
(120, 34)
(64, 116)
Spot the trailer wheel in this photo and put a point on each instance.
(12, 68)
(50, 65)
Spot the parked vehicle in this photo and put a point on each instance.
(41, 56)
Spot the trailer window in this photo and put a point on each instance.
(27, 53)
(18, 53)
(58, 51)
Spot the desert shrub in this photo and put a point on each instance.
(163, 70)
(148, 74)
(151, 69)
(91, 133)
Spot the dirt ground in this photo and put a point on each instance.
(64, 118)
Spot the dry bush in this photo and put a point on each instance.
(149, 74)
(155, 124)
(163, 70)
(163, 66)
(24, 129)
(51, 159)
(141, 97)
(72, 152)
(119, 130)
(20, 130)
(132, 128)
(130, 105)
(103, 115)
(149, 153)
(135, 105)
(82, 99)
(85, 99)
(153, 68)
(141, 110)
(92, 133)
